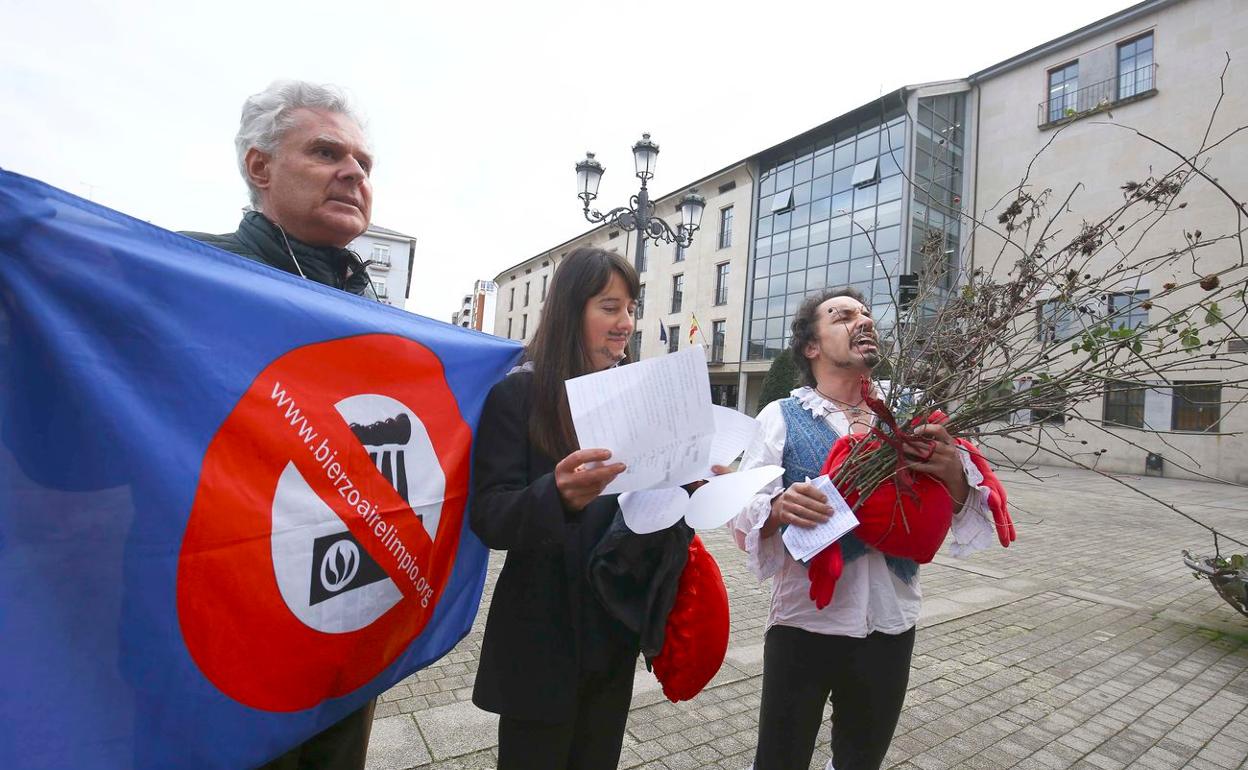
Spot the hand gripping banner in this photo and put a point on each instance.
(232, 501)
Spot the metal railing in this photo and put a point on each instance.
(1098, 96)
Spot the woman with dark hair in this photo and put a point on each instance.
(556, 664)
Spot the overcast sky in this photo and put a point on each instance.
(477, 111)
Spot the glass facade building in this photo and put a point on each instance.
(832, 206)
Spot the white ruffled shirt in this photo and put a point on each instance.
(868, 597)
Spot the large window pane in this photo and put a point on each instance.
(890, 189)
(819, 230)
(1124, 404)
(1197, 406)
(839, 226)
(888, 214)
(860, 271)
(823, 164)
(801, 194)
(844, 155)
(820, 209)
(1063, 90)
(1135, 70)
(838, 251)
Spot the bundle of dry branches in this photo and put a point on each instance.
(1056, 319)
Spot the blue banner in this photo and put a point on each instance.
(232, 501)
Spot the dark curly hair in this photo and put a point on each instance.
(803, 329)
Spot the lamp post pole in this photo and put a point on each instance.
(639, 214)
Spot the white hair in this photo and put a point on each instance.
(267, 117)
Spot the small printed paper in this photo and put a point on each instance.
(805, 542)
(710, 506)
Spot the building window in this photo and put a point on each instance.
(381, 254)
(511, 299)
(1124, 404)
(509, 320)
(641, 302)
(721, 283)
(524, 326)
(725, 227)
(526, 293)
(613, 234)
(724, 395)
(545, 279)
(865, 173)
(1197, 406)
(673, 338)
(782, 202)
(1135, 66)
(1056, 321)
(680, 250)
(678, 292)
(634, 347)
(718, 334)
(1063, 89)
(380, 285)
(728, 187)
(1126, 309)
(645, 254)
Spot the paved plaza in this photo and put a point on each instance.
(1087, 644)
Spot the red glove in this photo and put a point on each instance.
(996, 495)
(823, 571)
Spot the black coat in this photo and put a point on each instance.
(259, 239)
(545, 627)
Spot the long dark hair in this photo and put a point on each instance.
(558, 348)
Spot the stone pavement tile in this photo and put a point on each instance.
(396, 744)
(1087, 663)
(458, 729)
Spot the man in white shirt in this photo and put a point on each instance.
(856, 651)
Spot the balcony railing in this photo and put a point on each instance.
(1070, 105)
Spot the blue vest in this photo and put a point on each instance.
(807, 441)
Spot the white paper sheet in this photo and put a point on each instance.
(655, 416)
(650, 510)
(723, 497)
(710, 506)
(733, 433)
(805, 542)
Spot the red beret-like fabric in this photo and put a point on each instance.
(696, 637)
(898, 524)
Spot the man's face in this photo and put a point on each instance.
(316, 185)
(844, 335)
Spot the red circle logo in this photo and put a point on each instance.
(326, 522)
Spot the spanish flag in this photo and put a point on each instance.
(693, 328)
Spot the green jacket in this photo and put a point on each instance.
(259, 239)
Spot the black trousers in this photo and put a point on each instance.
(865, 679)
(341, 746)
(591, 741)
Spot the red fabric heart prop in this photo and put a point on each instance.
(696, 637)
(912, 526)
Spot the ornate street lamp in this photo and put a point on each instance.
(639, 215)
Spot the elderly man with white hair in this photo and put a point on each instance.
(305, 158)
